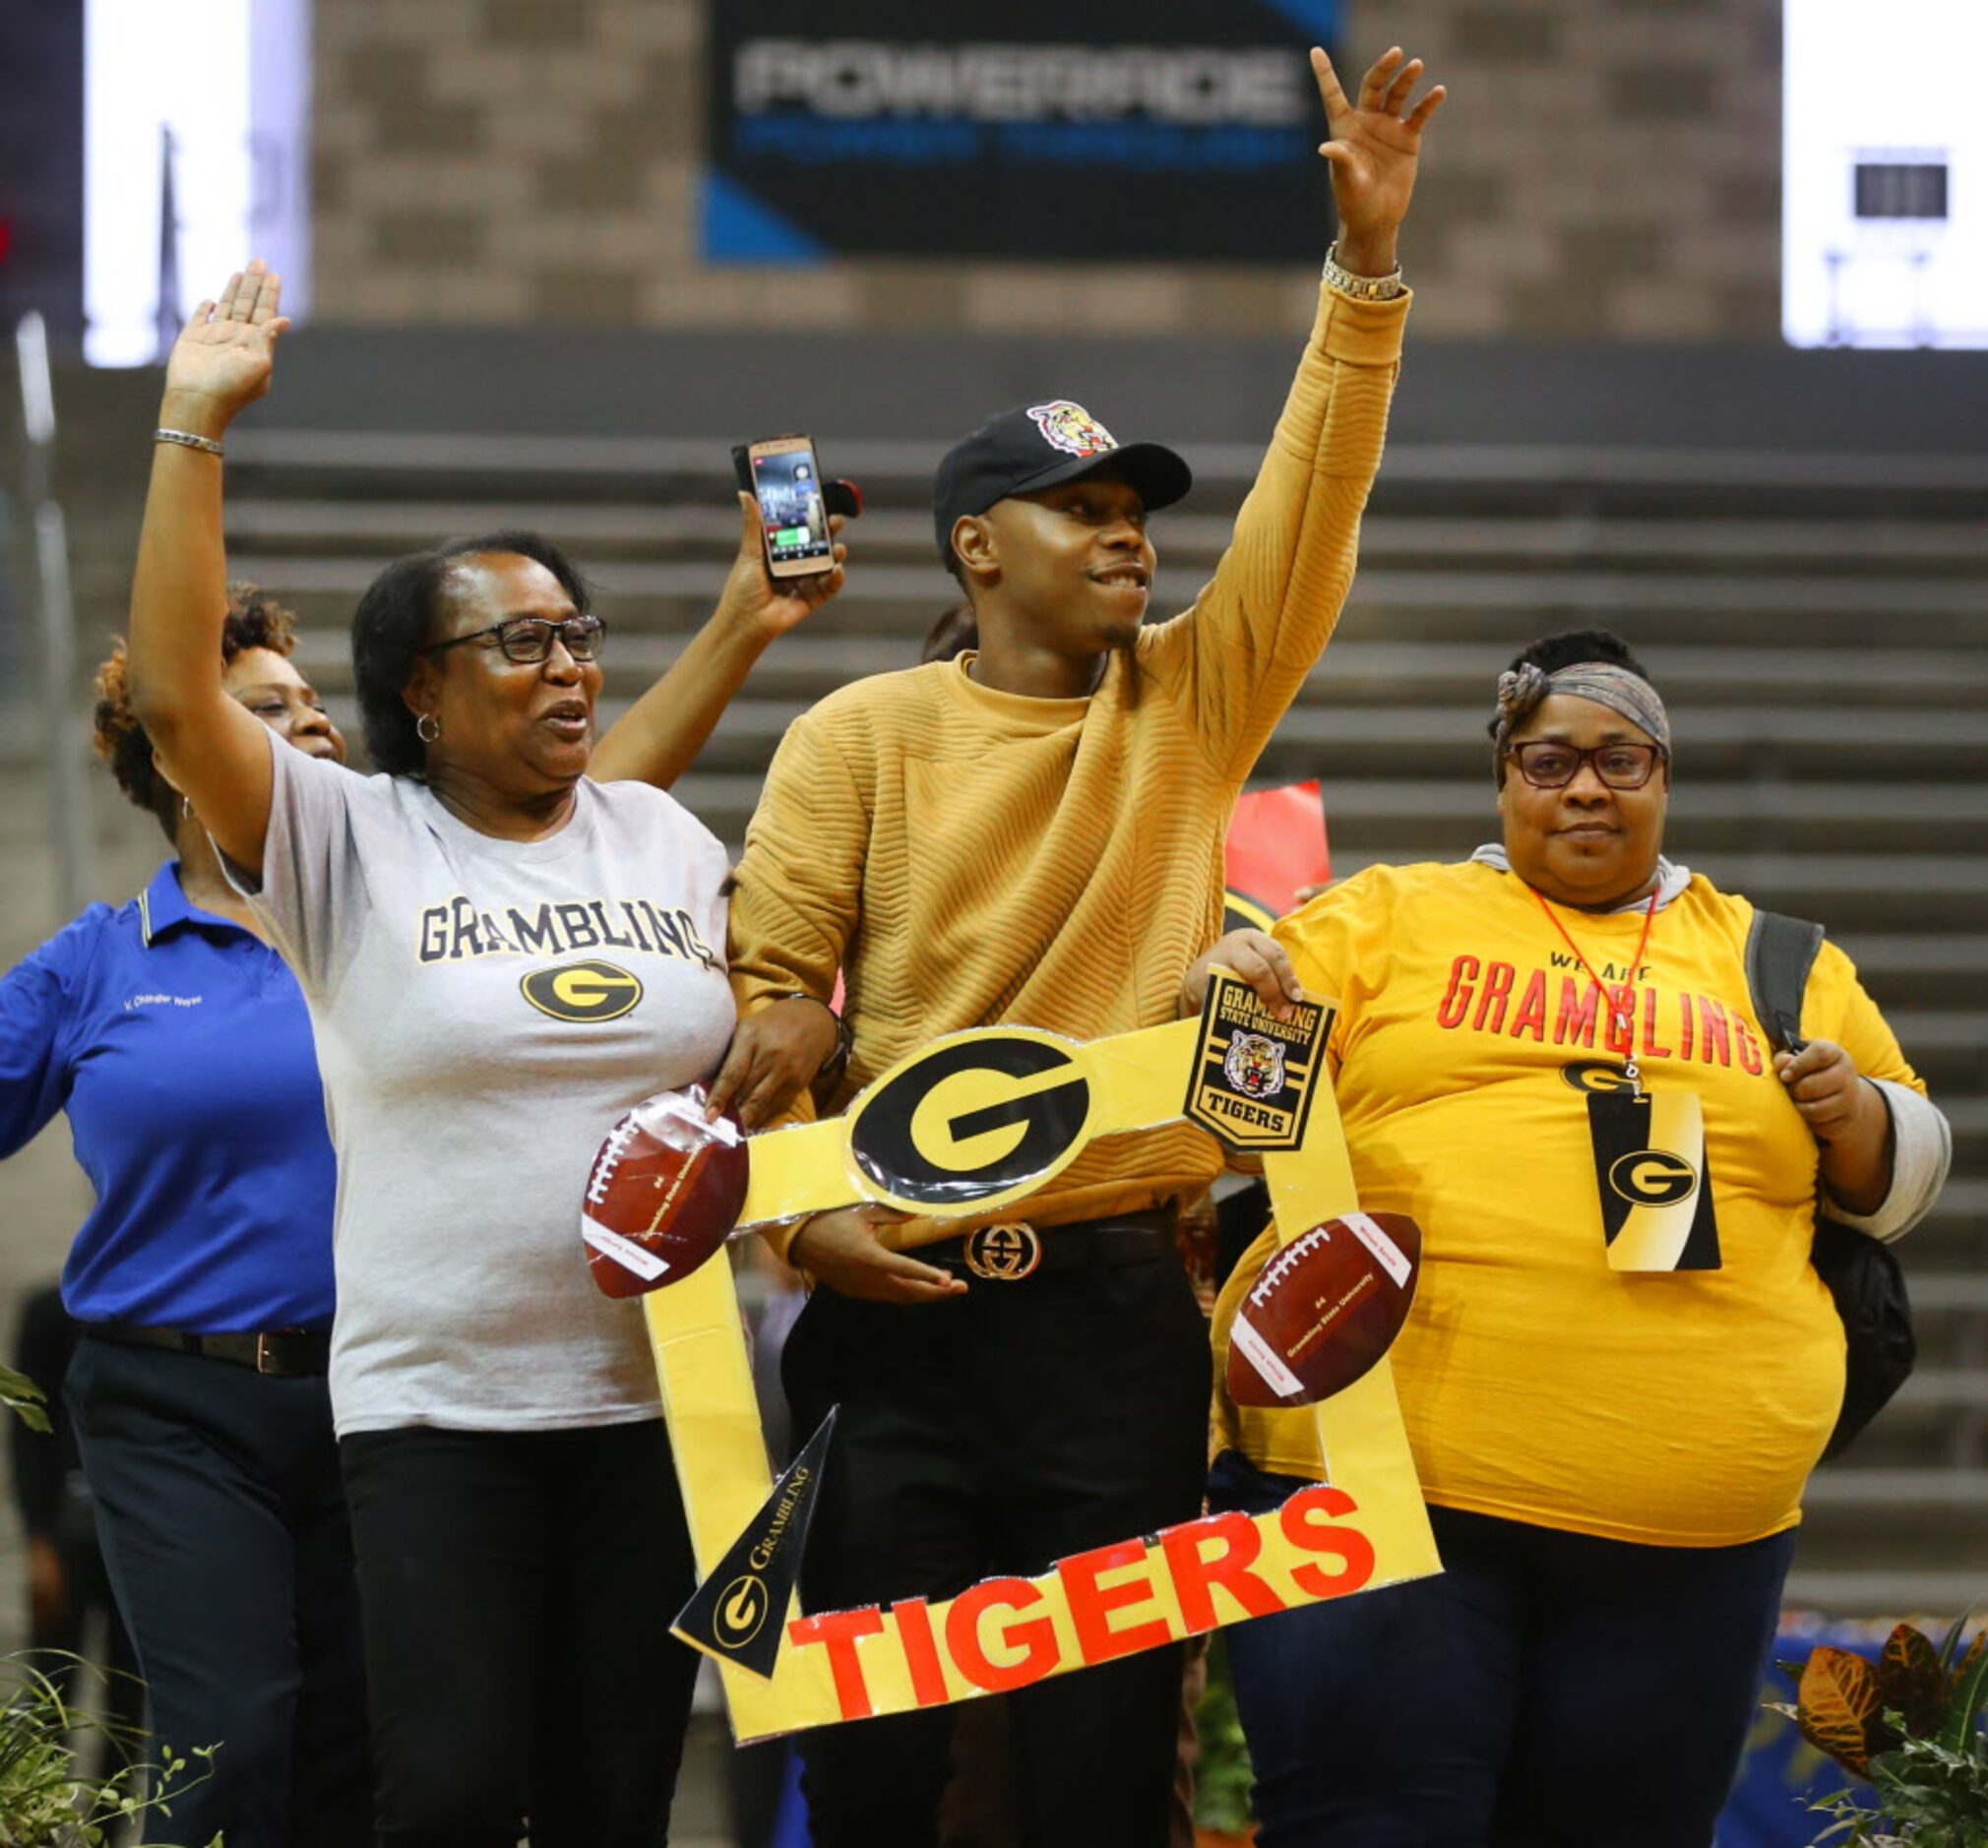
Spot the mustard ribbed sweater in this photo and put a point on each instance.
(967, 857)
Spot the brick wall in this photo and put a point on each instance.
(1606, 168)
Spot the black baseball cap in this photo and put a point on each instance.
(1036, 445)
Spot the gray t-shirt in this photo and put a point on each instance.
(484, 1010)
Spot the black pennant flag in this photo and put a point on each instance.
(739, 1612)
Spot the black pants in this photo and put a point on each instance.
(223, 1530)
(997, 1432)
(1547, 1687)
(518, 1588)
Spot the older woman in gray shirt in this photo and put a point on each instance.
(500, 955)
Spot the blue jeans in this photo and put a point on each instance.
(1548, 1689)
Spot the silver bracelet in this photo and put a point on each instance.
(188, 440)
(1360, 287)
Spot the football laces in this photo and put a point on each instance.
(1284, 1262)
(612, 1153)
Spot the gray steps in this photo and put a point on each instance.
(1927, 608)
(1590, 478)
(839, 644)
(1889, 547)
(1969, 1117)
(1931, 1536)
(902, 600)
(1728, 817)
(1963, 1490)
(1888, 1592)
(1411, 742)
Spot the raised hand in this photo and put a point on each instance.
(1374, 146)
(659, 738)
(225, 352)
(769, 606)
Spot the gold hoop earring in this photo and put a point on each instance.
(428, 728)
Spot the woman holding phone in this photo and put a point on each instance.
(500, 955)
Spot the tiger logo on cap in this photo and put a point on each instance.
(1072, 429)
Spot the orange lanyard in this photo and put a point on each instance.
(1621, 1014)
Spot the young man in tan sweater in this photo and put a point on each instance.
(1032, 833)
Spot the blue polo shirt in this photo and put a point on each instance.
(179, 1046)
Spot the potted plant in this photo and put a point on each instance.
(43, 1804)
(1222, 1777)
(1910, 1726)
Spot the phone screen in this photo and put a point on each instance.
(791, 509)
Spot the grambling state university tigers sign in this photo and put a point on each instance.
(972, 1125)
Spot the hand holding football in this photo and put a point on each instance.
(663, 1194)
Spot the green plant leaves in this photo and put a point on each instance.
(1911, 1682)
(41, 1801)
(1976, 1650)
(1968, 1689)
(23, 1398)
(1224, 1778)
(1910, 1724)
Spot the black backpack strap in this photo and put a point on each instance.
(1862, 1275)
(1780, 952)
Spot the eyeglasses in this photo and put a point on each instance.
(528, 640)
(1549, 766)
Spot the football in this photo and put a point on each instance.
(663, 1194)
(1324, 1310)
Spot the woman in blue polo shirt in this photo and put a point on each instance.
(176, 1041)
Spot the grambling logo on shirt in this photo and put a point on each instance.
(582, 991)
(458, 931)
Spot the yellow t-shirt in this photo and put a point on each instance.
(1680, 1408)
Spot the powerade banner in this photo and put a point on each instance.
(1176, 129)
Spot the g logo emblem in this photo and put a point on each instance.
(1595, 1075)
(1003, 1254)
(977, 1117)
(741, 1610)
(1652, 1177)
(582, 991)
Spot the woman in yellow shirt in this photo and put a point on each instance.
(1548, 1057)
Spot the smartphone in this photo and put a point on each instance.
(787, 478)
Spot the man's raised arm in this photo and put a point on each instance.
(1236, 660)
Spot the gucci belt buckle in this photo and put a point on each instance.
(1005, 1253)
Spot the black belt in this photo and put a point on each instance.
(283, 1353)
(1013, 1250)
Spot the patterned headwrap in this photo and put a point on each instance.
(1622, 692)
